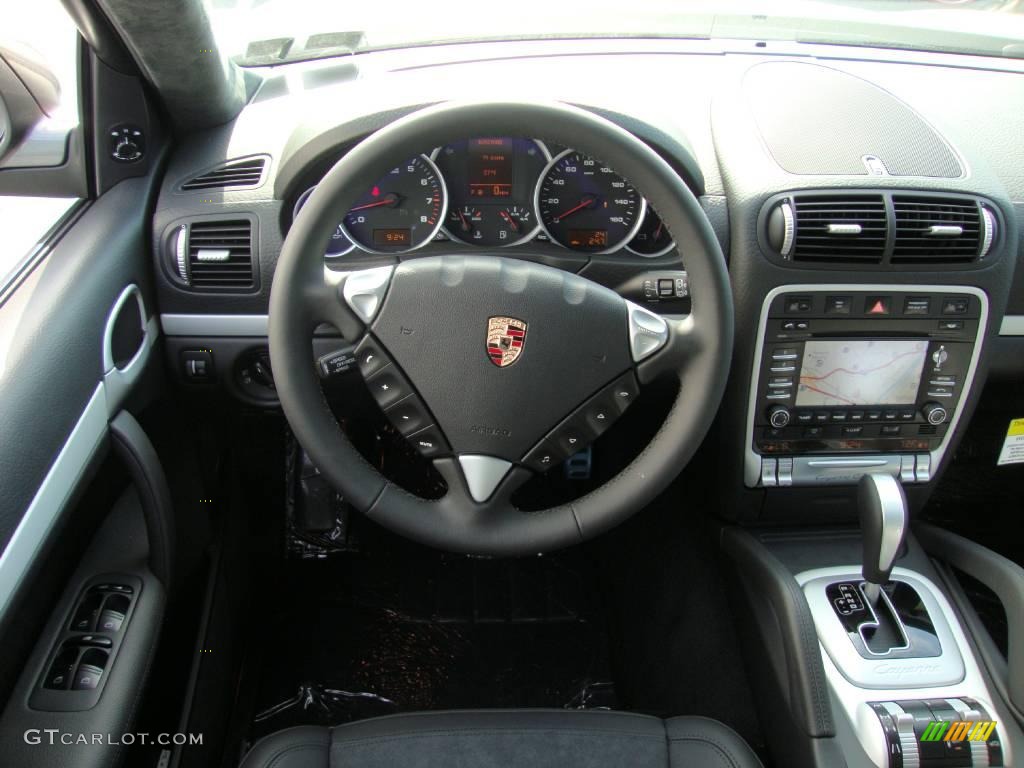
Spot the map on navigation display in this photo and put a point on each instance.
(861, 372)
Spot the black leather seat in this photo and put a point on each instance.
(515, 738)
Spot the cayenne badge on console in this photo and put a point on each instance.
(505, 339)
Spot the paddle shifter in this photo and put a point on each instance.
(883, 523)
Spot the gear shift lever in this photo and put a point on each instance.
(883, 523)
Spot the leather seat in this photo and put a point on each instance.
(513, 738)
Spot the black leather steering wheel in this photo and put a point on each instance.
(585, 352)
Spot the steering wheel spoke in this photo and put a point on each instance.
(480, 482)
(682, 343)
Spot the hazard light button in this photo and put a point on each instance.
(878, 305)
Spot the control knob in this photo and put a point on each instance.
(934, 413)
(778, 416)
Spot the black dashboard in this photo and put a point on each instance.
(832, 169)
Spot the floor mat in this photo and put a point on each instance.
(380, 634)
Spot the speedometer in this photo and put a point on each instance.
(402, 211)
(586, 206)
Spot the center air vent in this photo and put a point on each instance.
(243, 172)
(940, 229)
(878, 227)
(215, 255)
(830, 228)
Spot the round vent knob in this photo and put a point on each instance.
(781, 228)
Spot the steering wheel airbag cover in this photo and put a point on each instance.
(434, 324)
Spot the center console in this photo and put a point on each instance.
(853, 379)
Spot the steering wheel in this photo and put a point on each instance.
(439, 333)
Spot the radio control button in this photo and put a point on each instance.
(623, 392)
(890, 415)
(798, 304)
(782, 369)
(838, 305)
(388, 386)
(940, 392)
(780, 382)
(907, 414)
(784, 353)
(934, 413)
(543, 457)
(778, 416)
(856, 415)
(888, 430)
(951, 325)
(409, 415)
(782, 394)
(917, 305)
(805, 417)
(873, 415)
(813, 431)
(855, 429)
(955, 305)
(839, 415)
(821, 416)
(429, 442)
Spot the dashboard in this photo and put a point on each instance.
(831, 179)
(498, 192)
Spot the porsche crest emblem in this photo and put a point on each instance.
(505, 339)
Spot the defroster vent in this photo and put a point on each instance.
(243, 172)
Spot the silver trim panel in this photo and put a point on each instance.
(364, 291)
(1013, 325)
(119, 381)
(483, 474)
(648, 332)
(54, 492)
(752, 459)
(214, 325)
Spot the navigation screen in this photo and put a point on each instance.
(861, 372)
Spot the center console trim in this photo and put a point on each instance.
(857, 726)
(752, 459)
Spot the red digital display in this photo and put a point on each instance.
(391, 237)
(490, 168)
(588, 238)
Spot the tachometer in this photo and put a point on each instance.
(586, 206)
(491, 183)
(402, 211)
(339, 244)
(653, 238)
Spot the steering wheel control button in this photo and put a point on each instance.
(543, 457)
(571, 437)
(364, 291)
(483, 475)
(388, 386)
(336, 363)
(409, 415)
(623, 392)
(369, 357)
(599, 414)
(648, 332)
(429, 442)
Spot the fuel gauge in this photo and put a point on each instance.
(653, 238)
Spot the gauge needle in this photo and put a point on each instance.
(465, 224)
(389, 199)
(585, 203)
(511, 222)
(657, 232)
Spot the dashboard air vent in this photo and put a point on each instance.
(940, 230)
(837, 228)
(243, 172)
(216, 255)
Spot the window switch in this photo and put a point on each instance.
(84, 619)
(90, 670)
(110, 621)
(87, 678)
(59, 676)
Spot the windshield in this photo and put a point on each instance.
(264, 32)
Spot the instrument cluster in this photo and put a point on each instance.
(499, 192)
